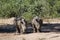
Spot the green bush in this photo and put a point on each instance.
(28, 16)
(30, 8)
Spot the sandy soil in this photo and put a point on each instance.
(31, 36)
(36, 36)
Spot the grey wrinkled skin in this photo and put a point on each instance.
(17, 23)
(21, 25)
(37, 23)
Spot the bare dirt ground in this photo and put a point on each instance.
(31, 36)
(50, 25)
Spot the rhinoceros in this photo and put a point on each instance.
(21, 25)
(37, 23)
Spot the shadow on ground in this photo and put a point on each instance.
(50, 28)
(44, 28)
(7, 28)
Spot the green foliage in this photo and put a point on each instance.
(27, 16)
(30, 8)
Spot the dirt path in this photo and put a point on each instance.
(32, 36)
(35, 36)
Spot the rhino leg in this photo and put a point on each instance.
(34, 28)
(37, 30)
(21, 31)
(17, 30)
